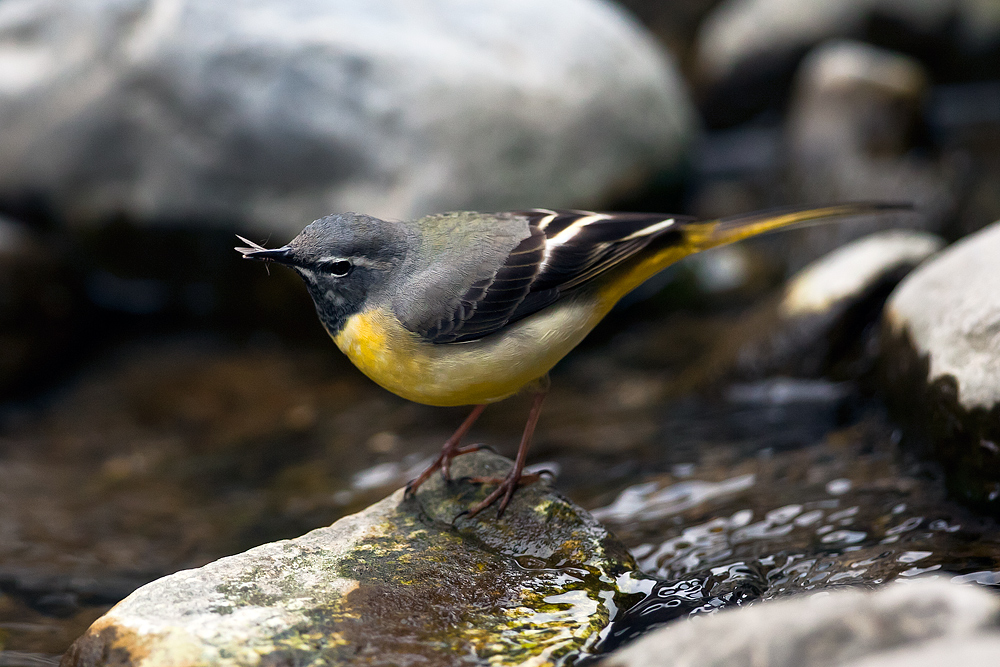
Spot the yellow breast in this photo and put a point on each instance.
(480, 371)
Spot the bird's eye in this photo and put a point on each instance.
(340, 268)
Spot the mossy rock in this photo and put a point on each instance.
(405, 581)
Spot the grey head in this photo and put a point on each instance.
(346, 260)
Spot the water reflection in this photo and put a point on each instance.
(847, 510)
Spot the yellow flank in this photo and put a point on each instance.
(496, 366)
(479, 371)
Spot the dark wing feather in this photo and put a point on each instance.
(564, 250)
(576, 255)
(489, 304)
(515, 264)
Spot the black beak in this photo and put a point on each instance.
(282, 255)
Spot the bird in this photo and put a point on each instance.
(468, 308)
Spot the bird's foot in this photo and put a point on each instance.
(505, 487)
(442, 463)
(450, 450)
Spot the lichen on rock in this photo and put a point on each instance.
(408, 579)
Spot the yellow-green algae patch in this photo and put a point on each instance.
(418, 582)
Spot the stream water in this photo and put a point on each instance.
(166, 454)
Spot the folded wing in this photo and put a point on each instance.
(563, 250)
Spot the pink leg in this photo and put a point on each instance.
(509, 484)
(450, 450)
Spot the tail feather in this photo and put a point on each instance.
(698, 236)
(736, 228)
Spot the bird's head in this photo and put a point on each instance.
(344, 259)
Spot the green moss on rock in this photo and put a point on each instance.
(407, 580)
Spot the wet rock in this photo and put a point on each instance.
(276, 114)
(852, 122)
(825, 630)
(748, 49)
(824, 322)
(826, 313)
(941, 361)
(404, 580)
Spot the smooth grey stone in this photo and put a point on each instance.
(828, 305)
(950, 308)
(820, 630)
(975, 651)
(269, 114)
(940, 363)
(853, 112)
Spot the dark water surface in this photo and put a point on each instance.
(843, 509)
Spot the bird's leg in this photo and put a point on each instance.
(450, 450)
(509, 484)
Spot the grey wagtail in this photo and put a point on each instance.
(470, 308)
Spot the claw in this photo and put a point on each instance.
(515, 477)
(450, 450)
(457, 451)
(505, 488)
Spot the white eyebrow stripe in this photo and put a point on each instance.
(573, 229)
(652, 229)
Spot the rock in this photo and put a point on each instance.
(822, 630)
(405, 580)
(977, 651)
(846, 274)
(851, 125)
(941, 361)
(272, 114)
(824, 322)
(858, 79)
(825, 314)
(747, 49)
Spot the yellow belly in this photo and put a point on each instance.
(480, 371)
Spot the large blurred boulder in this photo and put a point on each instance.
(276, 113)
(941, 361)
